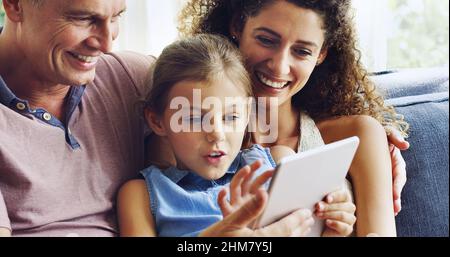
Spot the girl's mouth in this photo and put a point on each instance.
(215, 157)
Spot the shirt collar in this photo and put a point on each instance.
(8, 98)
(6, 95)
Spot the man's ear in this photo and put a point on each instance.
(14, 9)
(155, 123)
(322, 56)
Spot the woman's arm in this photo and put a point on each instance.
(396, 143)
(371, 172)
(133, 210)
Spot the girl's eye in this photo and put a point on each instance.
(231, 118)
(196, 119)
(193, 119)
(265, 41)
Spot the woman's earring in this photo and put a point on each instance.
(234, 39)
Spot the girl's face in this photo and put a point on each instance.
(281, 46)
(205, 125)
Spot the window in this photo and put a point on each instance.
(403, 33)
(2, 14)
(149, 25)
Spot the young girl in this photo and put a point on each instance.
(199, 105)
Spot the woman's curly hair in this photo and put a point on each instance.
(339, 86)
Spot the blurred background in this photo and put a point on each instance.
(393, 34)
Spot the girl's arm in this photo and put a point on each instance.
(4, 232)
(133, 210)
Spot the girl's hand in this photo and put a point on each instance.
(247, 202)
(338, 211)
(237, 224)
(242, 188)
(397, 143)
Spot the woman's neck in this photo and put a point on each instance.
(286, 131)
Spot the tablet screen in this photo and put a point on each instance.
(304, 179)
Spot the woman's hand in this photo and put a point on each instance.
(338, 211)
(246, 204)
(396, 143)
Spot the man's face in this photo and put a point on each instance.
(62, 40)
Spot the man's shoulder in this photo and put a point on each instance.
(119, 67)
(131, 62)
(128, 58)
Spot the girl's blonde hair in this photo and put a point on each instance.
(203, 57)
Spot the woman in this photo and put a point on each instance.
(304, 54)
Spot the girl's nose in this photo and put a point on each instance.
(216, 133)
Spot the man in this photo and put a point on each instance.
(71, 131)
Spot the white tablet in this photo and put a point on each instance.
(304, 179)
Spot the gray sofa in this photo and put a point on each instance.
(421, 95)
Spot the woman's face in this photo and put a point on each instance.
(281, 46)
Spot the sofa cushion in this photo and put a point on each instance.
(424, 103)
(425, 198)
(412, 82)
